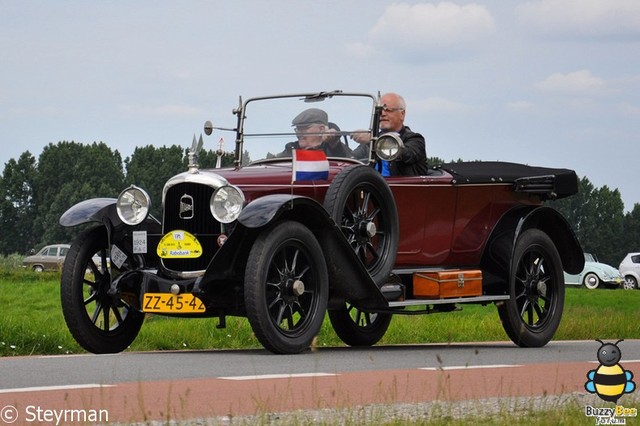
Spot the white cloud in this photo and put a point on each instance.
(590, 18)
(581, 83)
(420, 29)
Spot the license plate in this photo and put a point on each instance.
(172, 303)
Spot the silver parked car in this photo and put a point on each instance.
(49, 258)
(630, 270)
(595, 274)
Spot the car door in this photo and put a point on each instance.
(50, 258)
(62, 253)
(635, 264)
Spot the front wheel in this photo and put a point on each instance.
(591, 281)
(532, 314)
(358, 328)
(286, 288)
(99, 322)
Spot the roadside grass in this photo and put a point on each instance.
(566, 410)
(31, 322)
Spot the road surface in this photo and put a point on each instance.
(180, 385)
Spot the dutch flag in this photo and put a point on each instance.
(309, 165)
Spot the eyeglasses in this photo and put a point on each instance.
(303, 129)
(387, 109)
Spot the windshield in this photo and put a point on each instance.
(273, 127)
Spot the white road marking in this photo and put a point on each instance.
(50, 388)
(277, 376)
(470, 367)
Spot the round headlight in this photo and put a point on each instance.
(388, 146)
(133, 205)
(226, 204)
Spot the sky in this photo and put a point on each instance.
(552, 83)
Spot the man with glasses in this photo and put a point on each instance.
(413, 159)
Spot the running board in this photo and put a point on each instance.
(476, 299)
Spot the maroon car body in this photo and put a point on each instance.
(251, 241)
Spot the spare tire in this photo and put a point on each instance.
(361, 203)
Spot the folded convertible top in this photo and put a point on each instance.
(549, 183)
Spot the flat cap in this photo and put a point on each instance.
(310, 116)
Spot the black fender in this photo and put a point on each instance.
(92, 210)
(496, 259)
(348, 278)
(103, 211)
(552, 223)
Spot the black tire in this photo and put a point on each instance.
(286, 288)
(362, 204)
(99, 322)
(358, 328)
(591, 281)
(532, 314)
(629, 283)
(38, 268)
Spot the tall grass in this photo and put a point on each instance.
(10, 263)
(31, 322)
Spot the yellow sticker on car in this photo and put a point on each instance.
(179, 244)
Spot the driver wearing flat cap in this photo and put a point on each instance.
(312, 129)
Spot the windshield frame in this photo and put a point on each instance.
(310, 97)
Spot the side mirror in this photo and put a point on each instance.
(208, 128)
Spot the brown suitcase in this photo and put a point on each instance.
(447, 283)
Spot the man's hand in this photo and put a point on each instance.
(331, 137)
(361, 136)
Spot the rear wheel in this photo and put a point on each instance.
(532, 314)
(359, 328)
(629, 283)
(362, 205)
(286, 288)
(98, 321)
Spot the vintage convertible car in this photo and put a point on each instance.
(268, 241)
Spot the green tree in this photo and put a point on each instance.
(576, 209)
(17, 209)
(434, 161)
(150, 167)
(207, 159)
(68, 173)
(605, 225)
(597, 216)
(631, 231)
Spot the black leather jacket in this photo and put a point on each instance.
(413, 160)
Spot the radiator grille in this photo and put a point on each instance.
(197, 221)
